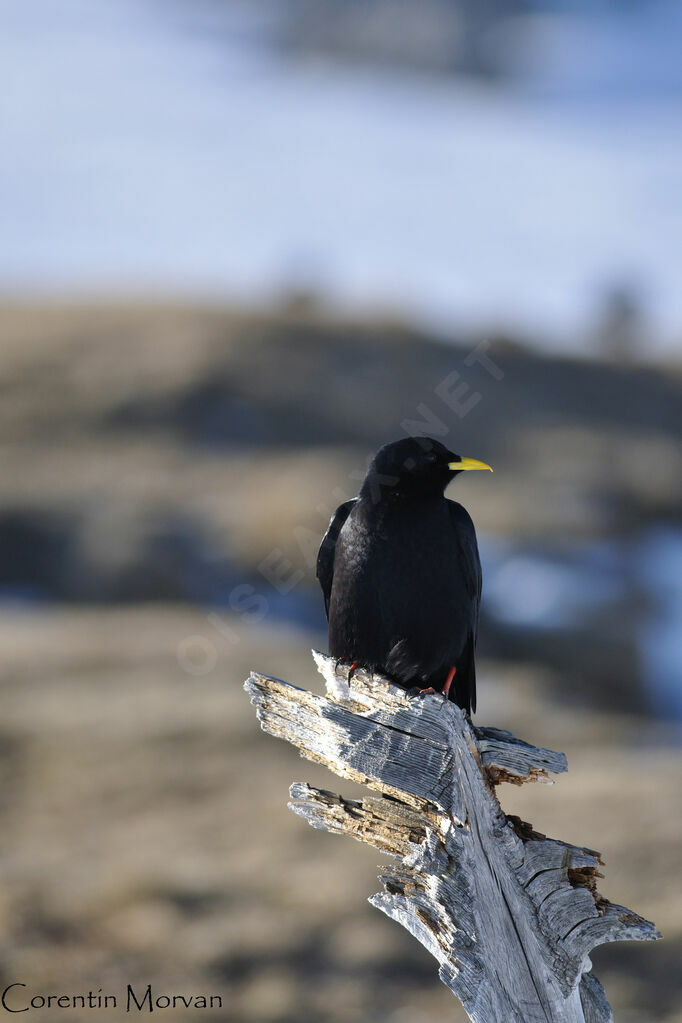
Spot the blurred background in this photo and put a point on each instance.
(241, 246)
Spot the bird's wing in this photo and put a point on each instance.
(473, 580)
(325, 555)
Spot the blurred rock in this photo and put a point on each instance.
(437, 35)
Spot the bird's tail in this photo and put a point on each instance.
(464, 690)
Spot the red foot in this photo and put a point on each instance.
(448, 682)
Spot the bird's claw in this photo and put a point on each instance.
(338, 661)
(416, 691)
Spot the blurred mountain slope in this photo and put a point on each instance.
(171, 453)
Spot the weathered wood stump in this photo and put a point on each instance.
(510, 915)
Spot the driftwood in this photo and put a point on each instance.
(510, 915)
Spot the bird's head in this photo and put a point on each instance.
(414, 465)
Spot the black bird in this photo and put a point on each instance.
(401, 575)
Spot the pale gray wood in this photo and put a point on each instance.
(510, 915)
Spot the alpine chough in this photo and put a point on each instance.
(401, 575)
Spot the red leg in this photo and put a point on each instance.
(448, 682)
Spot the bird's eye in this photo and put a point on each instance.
(432, 457)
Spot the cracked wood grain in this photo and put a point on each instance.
(509, 914)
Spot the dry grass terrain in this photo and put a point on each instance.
(146, 838)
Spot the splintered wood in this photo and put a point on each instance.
(510, 915)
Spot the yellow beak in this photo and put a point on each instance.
(468, 463)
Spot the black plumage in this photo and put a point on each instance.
(401, 575)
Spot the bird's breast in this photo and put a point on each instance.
(401, 568)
